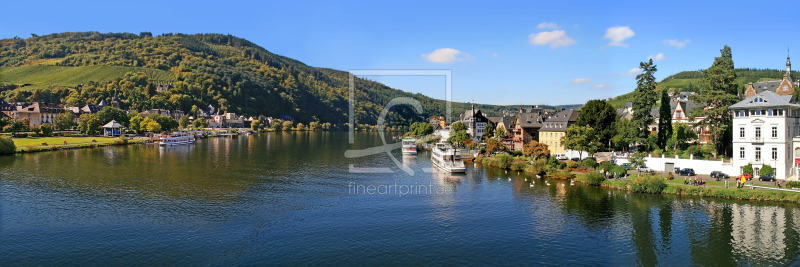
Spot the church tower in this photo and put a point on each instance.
(115, 101)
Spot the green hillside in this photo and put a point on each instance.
(689, 81)
(44, 76)
(227, 72)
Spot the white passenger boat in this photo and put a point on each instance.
(446, 158)
(178, 139)
(409, 146)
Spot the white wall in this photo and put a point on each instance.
(699, 166)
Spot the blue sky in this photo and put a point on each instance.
(500, 52)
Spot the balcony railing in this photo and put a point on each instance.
(757, 139)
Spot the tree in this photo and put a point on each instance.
(535, 149)
(89, 123)
(136, 123)
(166, 123)
(287, 125)
(626, 134)
(580, 138)
(151, 125)
(458, 126)
(718, 91)
(47, 130)
(501, 133)
(313, 126)
(110, 113)
(637, 160)
(255, 125)
(488, 132)
(300, 126)
(644, 97)
(194, 111)
(200, 123)
(7, 145)
(184, 122)
(458, 137)
(766, 169)
(493, 145)
(601, 116)
(664, 120)
(64, 121)
(277, 124)
(681, 134)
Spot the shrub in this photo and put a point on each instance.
(748, 169)
(670, 176)
(561, 174)
(766, 170)
(502, 161)
(619, 171)
(7, 145)
(589, 163)
(516, 153)
(594, 178)
(122, 140)
(47, 130)
(648, 184)
(572, 164)
(36, 130)
(517, 166)
(539, 166)
(608, 166)
(657, 152)
(793, 184)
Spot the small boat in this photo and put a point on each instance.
(446, 158)
(409, 146)
(174, 140)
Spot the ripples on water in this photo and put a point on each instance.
(285, 199)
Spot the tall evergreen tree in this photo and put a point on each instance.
(644, 97)
(718, 91)
(664, 120)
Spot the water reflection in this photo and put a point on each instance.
(274, 197)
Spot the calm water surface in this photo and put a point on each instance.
(290, 199)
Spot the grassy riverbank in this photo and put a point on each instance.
(712, 189)
(28, 145)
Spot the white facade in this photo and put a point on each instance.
(763, 128)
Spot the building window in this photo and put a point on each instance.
(774, 153)
(769, 112)
(741, 132)
(741, 152)
(774, 132)
(758, 153)
(741, 113)
(758, 132)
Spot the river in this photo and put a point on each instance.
(294, 199)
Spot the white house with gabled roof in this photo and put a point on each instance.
(763, 129)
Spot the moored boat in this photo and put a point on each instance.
(409, 146)
(178, 139)
(446, 158)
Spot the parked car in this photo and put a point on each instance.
(719, 174)
(767, 177)
(561, 157)
(576, 159)
(686, 172)
(595, 160)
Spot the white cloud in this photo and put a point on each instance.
(602, 86)
(675, 43)
(617, 35)
(554, 38)
(547, 25)
(659, 57)
(446, 55)
(581, 80)
(632, 72)
(494, 54)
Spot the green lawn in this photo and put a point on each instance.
(37, 141)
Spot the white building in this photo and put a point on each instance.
(763, 128)
(475, 122)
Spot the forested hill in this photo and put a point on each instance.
(227, 72)
(689, 81)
